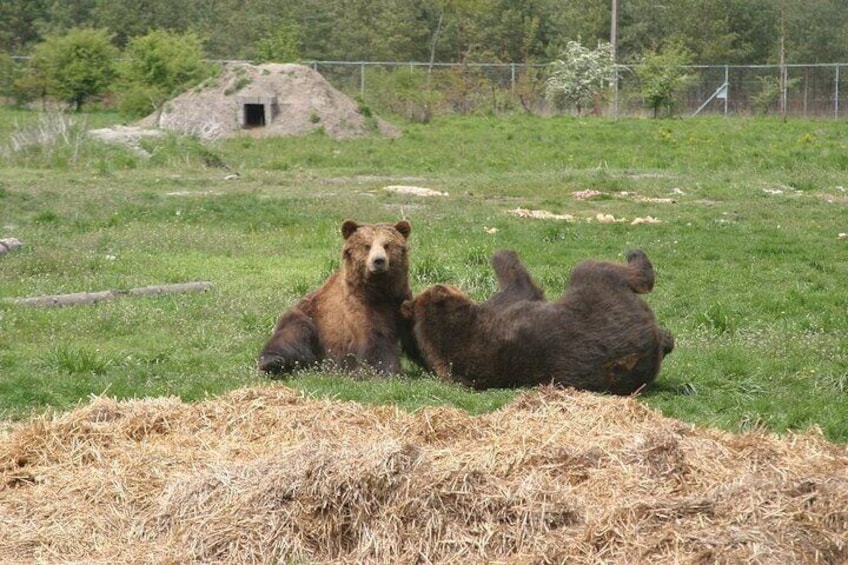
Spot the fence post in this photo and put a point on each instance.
(836, 95)
(727, 86)
(362, 80)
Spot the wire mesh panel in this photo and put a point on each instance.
(815, 91)
(420, 90)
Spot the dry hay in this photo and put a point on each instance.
(600, 217)
(306, 102)
(265, 475)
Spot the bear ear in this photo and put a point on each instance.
(348, 227)
(406, 309)
(404, 227)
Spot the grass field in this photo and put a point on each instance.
(751, 271)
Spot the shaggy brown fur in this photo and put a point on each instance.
(599, 336)
(354, 319)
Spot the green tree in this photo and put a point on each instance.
(815, 31)
(376, 30)
(8, 71)
(130, 18)
(156, 67)
(662, 75)
(18, 24)
(61, 17)
(74, 67)
(280, 47)
(579, 78)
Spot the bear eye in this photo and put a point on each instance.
(368, 248)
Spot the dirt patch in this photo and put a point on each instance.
(266, 475)
(266, 100)
(129, 136)
(414, 190)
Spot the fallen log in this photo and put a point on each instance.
(9, 244)
(93, 297)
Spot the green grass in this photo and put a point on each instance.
(750, 271)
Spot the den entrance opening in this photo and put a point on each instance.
(258, 111)
(254, 115)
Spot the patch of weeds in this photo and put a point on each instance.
(314, 118)
(477, 256)
(479, 284)
(804, 185)
(557, 282)
(836, 383)
(240, 84)
(363, 108)
(279, 165)
(57, 140)
(554, 233)
(331, 265)
(750, 422)
(177, 150)
(302, 286)
(664, 135)
(76, 361)
(47, 217)
(718, 319)
(428, 271)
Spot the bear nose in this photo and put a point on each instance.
(379, 263)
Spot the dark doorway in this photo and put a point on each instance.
(254, 115)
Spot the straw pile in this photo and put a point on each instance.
(265, 475)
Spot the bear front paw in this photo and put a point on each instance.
(275, 364)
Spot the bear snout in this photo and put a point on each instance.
(378, 262)
(271, 362)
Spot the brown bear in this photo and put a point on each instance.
(600, 335)
(353, 320)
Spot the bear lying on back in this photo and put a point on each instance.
(353, 320)
(599, 336)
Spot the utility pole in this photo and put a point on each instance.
(784, 75)
(614, 30)
(613, 53)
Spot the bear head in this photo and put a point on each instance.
(376, 254)
(440, 317)
(440, 301)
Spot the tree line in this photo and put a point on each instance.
(742, 32)
(135, 55)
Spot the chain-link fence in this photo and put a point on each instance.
(421, 90)
(819, 91)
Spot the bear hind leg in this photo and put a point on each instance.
(640, 271)
(293, 346)
(514, 282)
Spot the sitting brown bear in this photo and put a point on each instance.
(354, 319)
(599, 336)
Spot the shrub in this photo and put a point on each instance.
(74, 67)
(662, 75)
(157, 67)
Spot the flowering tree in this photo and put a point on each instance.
(580, 77)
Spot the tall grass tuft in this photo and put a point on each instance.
(54, 139)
